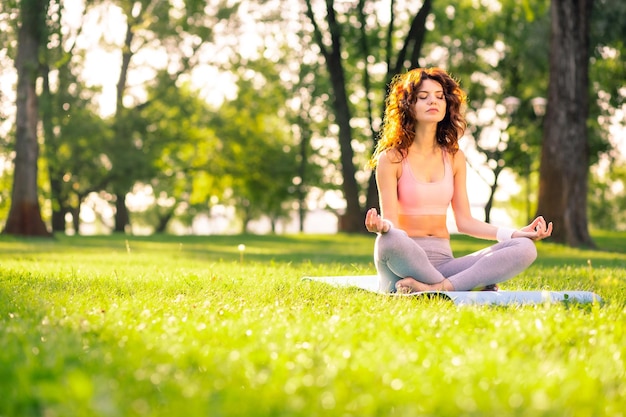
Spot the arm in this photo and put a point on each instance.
(387, 182)
(538, 229)
(387, 172)
(465, 222)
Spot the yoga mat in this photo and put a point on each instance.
(370, 283)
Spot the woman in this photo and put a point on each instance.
(420, 172)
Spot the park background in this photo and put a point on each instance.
(126, 120)
(214, 117)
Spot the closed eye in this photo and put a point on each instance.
(438, 96)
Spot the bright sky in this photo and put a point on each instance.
(107, 23)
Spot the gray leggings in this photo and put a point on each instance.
(430, 260)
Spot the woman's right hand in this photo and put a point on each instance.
(375, 223)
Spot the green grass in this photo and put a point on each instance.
(179, 326)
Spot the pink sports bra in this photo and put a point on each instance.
(425, 198)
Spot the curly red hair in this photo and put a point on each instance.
(398, 131)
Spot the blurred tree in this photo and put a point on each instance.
(283, 63)
(258, 153)
(607, 72)
(76, 157)
(75, 136)
(484, 47)
(25, 214)
(565, 154)
(303, 127)
(6, 176)
(185, 165)
(607, 198)
(181, 31)
(607, 63)
(6, 179)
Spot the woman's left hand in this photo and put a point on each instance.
(537, 230)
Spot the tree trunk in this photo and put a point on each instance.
(75, 211)
(493, 187)
(164, 220)
(305, 139)
(121, 213)
(565, 151)
(58, 211)
(120, 163)
(353, 217)
(25, 214)
(354, 221)
(50, 150)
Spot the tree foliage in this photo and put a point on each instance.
(258, 153)
(309, 100)
(607, 197)
(75, 136)
(180, 32)
(181, 151)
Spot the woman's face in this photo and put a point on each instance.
(430, 106)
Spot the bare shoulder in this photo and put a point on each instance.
(390, 156)
(389, 164)
(458, 161)
(459, 156)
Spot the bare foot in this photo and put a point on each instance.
(406, 286)
(410, 285)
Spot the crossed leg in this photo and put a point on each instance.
(404, 266)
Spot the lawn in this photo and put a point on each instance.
(192, 326)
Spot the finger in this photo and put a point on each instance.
(368, 219)
(534, 223)
(372, 220)
(541, 225)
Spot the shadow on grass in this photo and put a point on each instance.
(293, 248)
(610, 251)
(318, 249)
